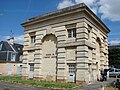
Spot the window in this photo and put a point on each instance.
(13, 56)
(33, 39)
(0, 46)
(116, 70)
(20, 58)
(72, 68)
(112, 70)
(71, 32)
(18, 48)
(71, 29)
(31, 66)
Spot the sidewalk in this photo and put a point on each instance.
(97, 85)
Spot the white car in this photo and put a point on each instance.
(114, 72)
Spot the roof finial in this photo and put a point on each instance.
(11, 34)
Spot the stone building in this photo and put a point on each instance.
(67, 45)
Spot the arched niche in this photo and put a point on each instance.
(49, 57)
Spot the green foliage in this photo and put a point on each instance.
(6, 88)
(114, 56)
(18, 79)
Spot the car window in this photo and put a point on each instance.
(112, 70)
(116, 70)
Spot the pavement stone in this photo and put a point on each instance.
(97, 85)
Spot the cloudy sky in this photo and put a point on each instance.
(15, 12)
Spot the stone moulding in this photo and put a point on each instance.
(80, 43)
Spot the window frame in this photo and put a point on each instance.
(31, 66)
(33, 39)
(72, 68)
(13, 56)
(71, 33)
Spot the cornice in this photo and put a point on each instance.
(62, 12)
(54, 13)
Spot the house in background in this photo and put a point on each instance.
(10, 57)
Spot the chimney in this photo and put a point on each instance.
(10, 40)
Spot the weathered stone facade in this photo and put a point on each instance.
(68, 45)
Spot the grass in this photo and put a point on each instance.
(6, 88)
(110, 88)
(19, 80)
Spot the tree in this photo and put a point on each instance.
(114, 57)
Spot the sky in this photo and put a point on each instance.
(15, 12)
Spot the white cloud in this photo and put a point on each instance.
(94, 9)
(64, 4)
(17, 39)
(5, 37)
(87, 2)
(114, 42)
(109, 9)
(90, 3)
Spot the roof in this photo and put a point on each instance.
(7, 49)
(61, 11)
(5, 46)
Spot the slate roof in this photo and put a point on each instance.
(5, 46)
(18, 47)
(11, 48)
